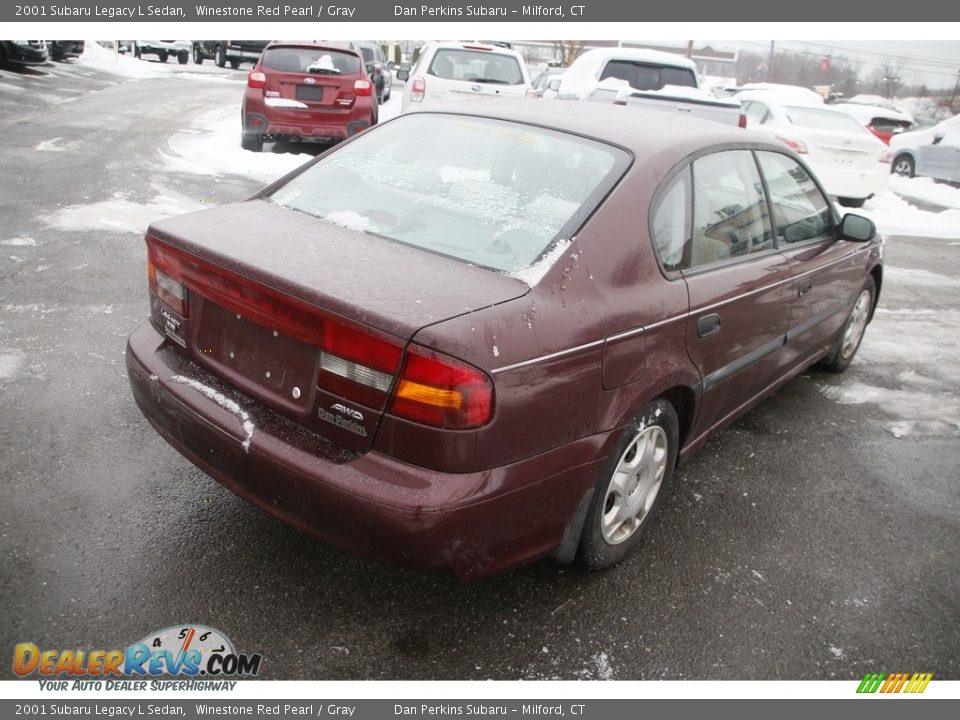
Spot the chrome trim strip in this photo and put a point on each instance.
(551, 356)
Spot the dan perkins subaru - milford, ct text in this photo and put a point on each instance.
(486, 11)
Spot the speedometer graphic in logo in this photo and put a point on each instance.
(184, 650)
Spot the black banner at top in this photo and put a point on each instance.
(479, 11)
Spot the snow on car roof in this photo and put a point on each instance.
(866, 113)
(782, 94)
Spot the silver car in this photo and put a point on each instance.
(934, 152)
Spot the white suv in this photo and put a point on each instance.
(452, 70)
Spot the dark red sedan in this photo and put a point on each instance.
(469, 340)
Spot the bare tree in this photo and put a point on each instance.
(566, 51)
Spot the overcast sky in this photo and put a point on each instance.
(934, 62)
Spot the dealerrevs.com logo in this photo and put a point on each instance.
(189, 651)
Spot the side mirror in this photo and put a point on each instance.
(857, 228)
(403, 74)
(938, 136)
(554, 84)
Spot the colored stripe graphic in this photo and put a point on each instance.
(894, 683)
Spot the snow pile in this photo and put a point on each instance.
(927, 190)
(120, 214)
(895, 216)
(211, 146)
(97, 57)
(532, 274)
(349, 219)
(926, 110)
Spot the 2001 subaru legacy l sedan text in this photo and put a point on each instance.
(469, 340)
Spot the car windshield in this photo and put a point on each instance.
(316, 61)
(477, 66)
(817, 119)
(487, 192)
(648, 77)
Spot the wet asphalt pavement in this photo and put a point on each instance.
(816, 538)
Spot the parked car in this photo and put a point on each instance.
(473, 338)
(307, 92)
(541, 76)
(163, 49)
(446, 71)
(376, 63)
(933, 152)
(23, 52)
(643, 78)
(880, 121)
(850, 161)
(222, 52)
(62, 49)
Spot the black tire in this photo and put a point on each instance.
(183, 58)
(903, 165)
(163, 55)
(851, 334)
(234, 63)
(851, 202)
(197, 54)
(653, 434)
(137, 53)
(220, 57)
(252, 142)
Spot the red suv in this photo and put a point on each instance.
(312, 92)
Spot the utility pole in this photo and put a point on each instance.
(770, 62)
(956, 88)
(690, 49)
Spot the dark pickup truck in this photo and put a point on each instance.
(228, 51)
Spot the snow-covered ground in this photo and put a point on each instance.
(97, 57)
(894, 215)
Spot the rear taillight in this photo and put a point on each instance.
(363, 88)
(357, 365)
(437, 390)
(742, 122)
(798, 146)
(256, 79)
(418, 88)
(170, 291)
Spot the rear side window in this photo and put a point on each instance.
(671, 221)
(486, 192)
(800, 211)
(315, 61)
(647, 77)
(476, 66)
(730, 217)
(817, 119)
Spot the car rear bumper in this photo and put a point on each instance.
(474, 524)
(333, 128)
(853, 182)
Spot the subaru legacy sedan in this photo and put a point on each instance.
(474, 338)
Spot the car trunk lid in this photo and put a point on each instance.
(310, 318)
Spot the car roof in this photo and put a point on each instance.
(645, 133)
(341, 45)
(456, 45)
(657, 57)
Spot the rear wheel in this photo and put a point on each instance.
(631, 487)
(137, 53)
(163, 55)
(220, 57)
(903, 165)
(848, 341)
(197, 55)
(252, 142)
(183, 58)
(234, 63)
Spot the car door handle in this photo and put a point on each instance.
(804, 287)
(708, 325)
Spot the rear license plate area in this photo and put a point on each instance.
(310, 92)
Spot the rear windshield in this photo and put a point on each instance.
(311, 60)
(487, 192)
(476, 66)
(823, 119)
(648, 77)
